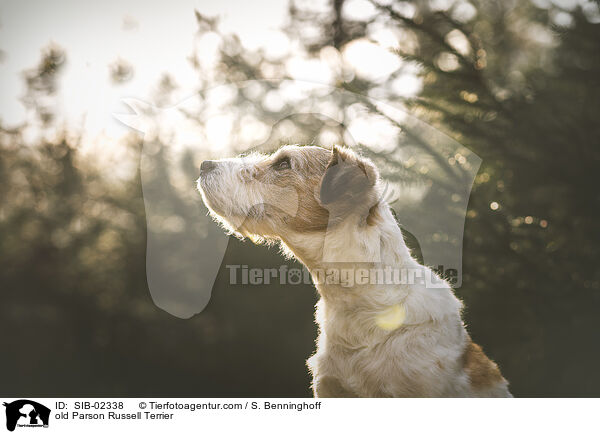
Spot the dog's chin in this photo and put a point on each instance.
(208, 198)
(232, 224)
(210, 205)
(230, 220)
(242, 225)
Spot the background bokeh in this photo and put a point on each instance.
(516, 82)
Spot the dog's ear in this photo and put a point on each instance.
(348, 179)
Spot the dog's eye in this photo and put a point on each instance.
(282, 164)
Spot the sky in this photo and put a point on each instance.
(154, 36)
(157, 37)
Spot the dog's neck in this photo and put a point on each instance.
(352, 243)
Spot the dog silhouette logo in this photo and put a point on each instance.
(26, 413)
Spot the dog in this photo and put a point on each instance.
(376, 338)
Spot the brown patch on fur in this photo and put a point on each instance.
(347, 187)
(374, 218)
(308, 165)
(346, 178)
(481, 370)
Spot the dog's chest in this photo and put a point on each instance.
(374, 369)
(350, 350)
(410, 361)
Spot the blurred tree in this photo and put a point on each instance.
(77, 318)
(42, 84)
(523, 94)
(121, 71)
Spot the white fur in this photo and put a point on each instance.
(370, 361)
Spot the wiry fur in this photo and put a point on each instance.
(325, 209)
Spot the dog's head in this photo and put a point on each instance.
(296, 190)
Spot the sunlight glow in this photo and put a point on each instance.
(391, 318)
(369, 60)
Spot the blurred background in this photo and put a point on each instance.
(515, 82)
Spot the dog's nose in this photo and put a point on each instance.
(207, 166)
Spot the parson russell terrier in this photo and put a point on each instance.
(376, 338)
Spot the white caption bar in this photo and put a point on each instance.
(159, 415)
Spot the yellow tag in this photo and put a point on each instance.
(391, 318)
